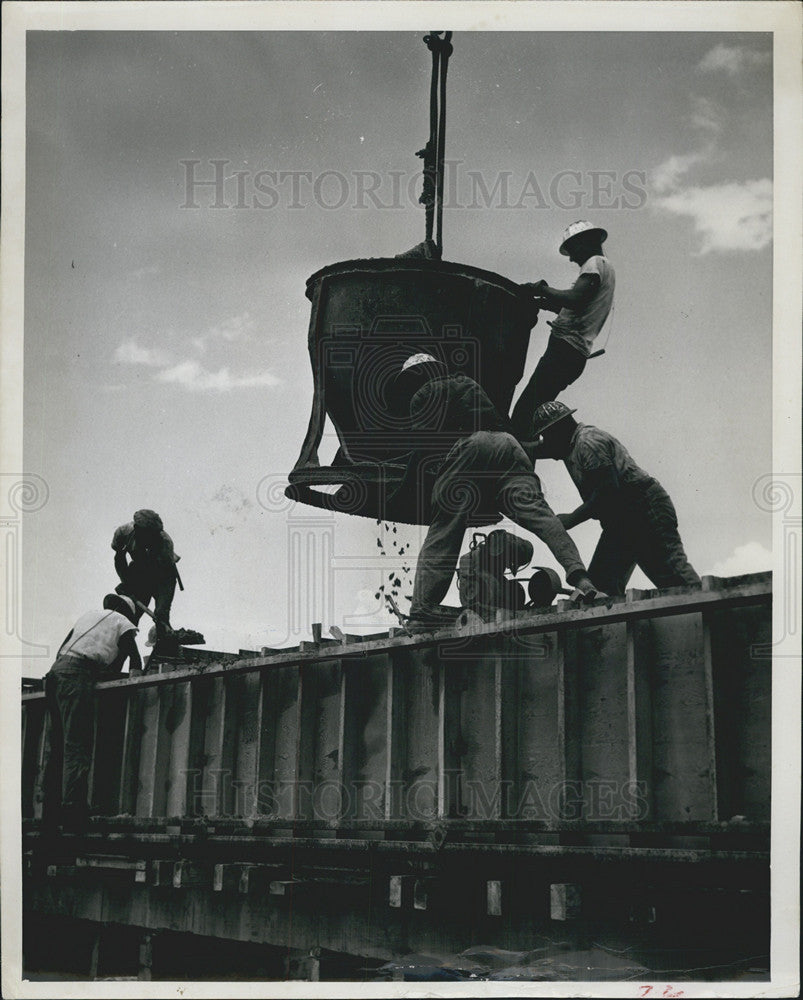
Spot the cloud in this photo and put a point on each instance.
(730, 216)
(667, 175)
(236, 328)
(732, 59)
(706, 115)
(749, 558)
(193, 376)
(130, 353)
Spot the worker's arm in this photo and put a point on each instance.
(604, 483)
(126, 650)
(575, 298)
(121, 565)
(119, 544)
(584, 512)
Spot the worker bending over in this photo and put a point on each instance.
(479, 469)
(95, 649)
(582, 311)
(639, 523)
(151, 571)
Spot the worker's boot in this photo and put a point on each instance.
(427, 618)
(584, 591)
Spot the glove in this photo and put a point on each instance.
(579, 596)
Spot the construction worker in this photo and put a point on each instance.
(478, 468)
(639, 523)
(582, 311)
(151, 571)
(95, 649)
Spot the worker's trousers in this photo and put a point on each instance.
(69, 694)
(487, 471)
(144, 582)
(560, 365)
(645, 534)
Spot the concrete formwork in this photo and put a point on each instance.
(394, 794)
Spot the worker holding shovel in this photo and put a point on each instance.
(146, 564)
(95, 649)
(581, 313)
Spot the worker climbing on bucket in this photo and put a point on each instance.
(146, 564)
(581, 313)
(477, 468)
(95, 649)
(639, 523)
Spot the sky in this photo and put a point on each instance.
(166, 360)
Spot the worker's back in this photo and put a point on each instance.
(453, 406)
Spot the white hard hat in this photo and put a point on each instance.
(419, 359)
(576, 229)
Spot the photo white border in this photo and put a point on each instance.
(782, 17)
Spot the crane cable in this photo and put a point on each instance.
(434, 153)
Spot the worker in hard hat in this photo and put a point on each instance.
(95, 649)
(581, 313)
(477, 468)
(145, 561)
(639, 523)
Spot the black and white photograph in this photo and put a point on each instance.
(401, 498)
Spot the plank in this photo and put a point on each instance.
(683, 781)
(415, 760)
(365, 736)
(286, 745)
(638, 803)
(320, 793)
(209, 798)
(42, 753)
(476, 741)
(148, 794)
(745, 592)
(131, 749)
(33, 714)
(110, 715)
(602, 672)
(538, 769)
(178, 731)
(742, 690)
(249, 730)
(232, 693)
(200, 691)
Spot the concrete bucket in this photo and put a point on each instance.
(368, 316)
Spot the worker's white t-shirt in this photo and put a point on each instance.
(95, 636)
(580, 328)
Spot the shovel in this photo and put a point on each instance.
(174, 637)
